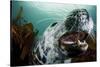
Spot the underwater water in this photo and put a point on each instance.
(53, 21)
(42, 14)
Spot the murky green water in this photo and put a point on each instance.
(42, 14)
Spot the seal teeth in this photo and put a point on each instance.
(84, 41)
(83, 45)
(78, 42)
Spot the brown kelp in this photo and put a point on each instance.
(23, 35)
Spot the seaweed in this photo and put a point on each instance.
(23, 37)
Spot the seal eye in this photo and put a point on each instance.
(53, 24)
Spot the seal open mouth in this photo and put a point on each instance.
(72, 37)
(74, 42)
